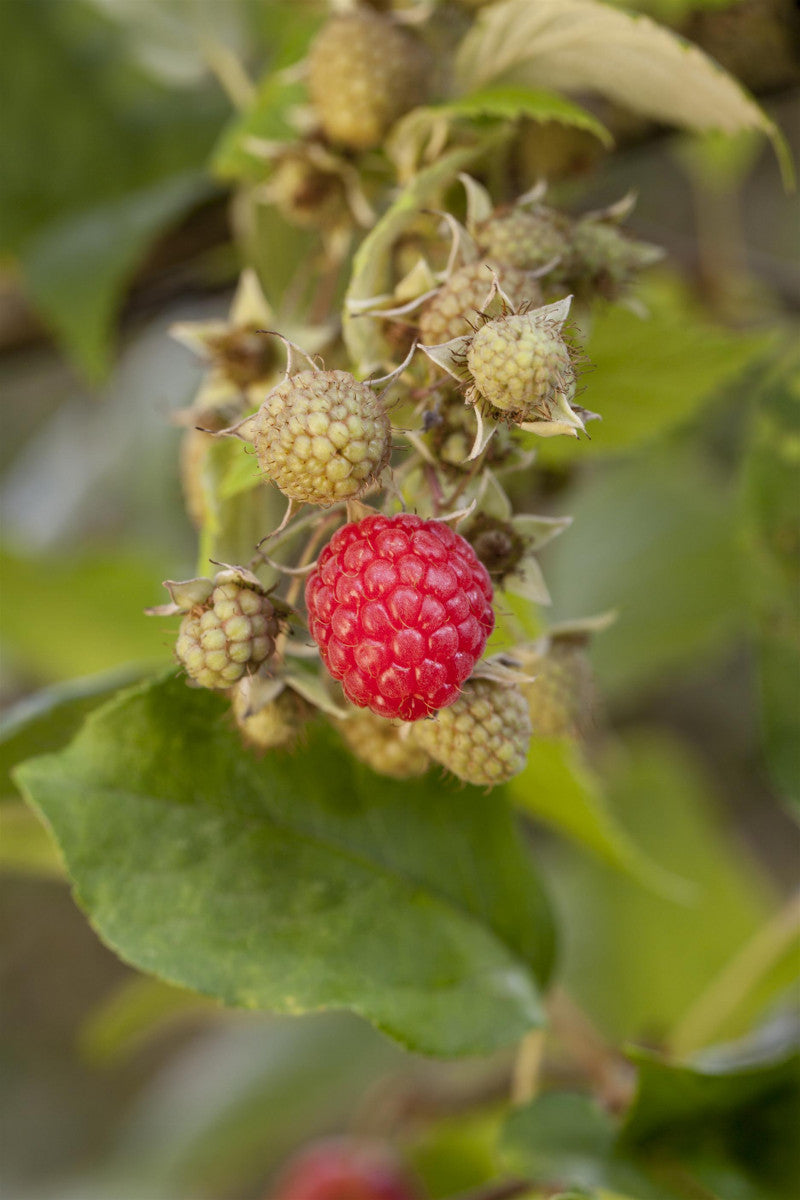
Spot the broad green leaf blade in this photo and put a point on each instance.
(294, 882)
(651, 375)
(579, 45)
(565, 1140)
(723, 1118)
(557, 788)
(77, 268)
(48, 719)
(371, 265)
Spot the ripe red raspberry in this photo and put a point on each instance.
(345, 1169)
(400, 609)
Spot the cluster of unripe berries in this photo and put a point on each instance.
(400, 607)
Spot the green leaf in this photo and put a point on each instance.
(48, 719)
(139, 1009)
(636, 960)
(98, 156)
(565, 1140)
(294, 882)
(65, 619)
(513, 102)
(650, 375)
(236, 155)
(750, 1111)
(78, 267)
(557, 788)
(771, 512)
(580, 45)
(652, 538)
(371, 265)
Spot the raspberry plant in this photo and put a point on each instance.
(365, 675)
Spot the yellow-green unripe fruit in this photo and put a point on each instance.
(562, 694)
(454, 310)
(322, 436)
(525, 238)
(364, 71)
(276, 724)
(484, 737)
(520, 362)
(381, 745)
(228, 637)
(603, 261)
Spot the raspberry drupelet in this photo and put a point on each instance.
(401, 609)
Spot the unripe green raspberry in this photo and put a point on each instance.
(483, 737)
(603, 261)
(278, 723)
(562, 694)
(364, 72)
(524, 238)
(321, 436)
(385, 746)
(454, 309)
(231, 634)
(519, 363)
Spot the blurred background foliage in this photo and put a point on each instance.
(671, 855)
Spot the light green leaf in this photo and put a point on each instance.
(78, 267)
(236, 156)
(371, 265)
(653, 538)
(650, 375)
(48, 719)
(70, 618)
(537, 105)
(636, 960)
(139, 1009)
(771, 513)
(580, 45)
(293, 882)
(557, 788)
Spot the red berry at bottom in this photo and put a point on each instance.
(345, 1170)
(401, 609)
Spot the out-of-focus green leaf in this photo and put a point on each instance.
(456, 1154)
(66, 619)
(137, 1010)
(649, 375)
(565, 1140)
(85, 128)
(25, 844)
(581, 45)
(634, 960)
(294, 883)
(236, 516)
(654, 539)
(766, 968)
(48, 719)
(557, 788)
(78, 266)
(750, 1111)
(237, 155)
(771, 503)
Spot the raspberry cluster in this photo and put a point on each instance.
(400, 609)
